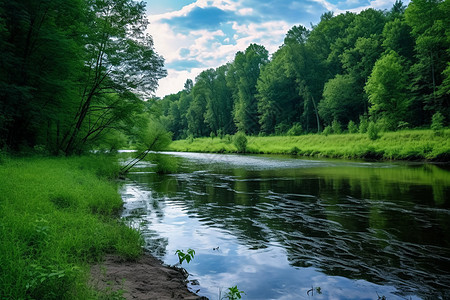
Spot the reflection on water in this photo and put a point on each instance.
(278, 226)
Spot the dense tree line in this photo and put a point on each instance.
(389, 67)
(73, 74)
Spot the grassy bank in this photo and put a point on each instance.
(400, 145)
(58, 215)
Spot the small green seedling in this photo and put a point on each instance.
(188, 256)
(234, 293)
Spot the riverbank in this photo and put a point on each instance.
(59, 216)
(400, 145)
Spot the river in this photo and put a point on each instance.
(289, 228)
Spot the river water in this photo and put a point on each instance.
(280, 227)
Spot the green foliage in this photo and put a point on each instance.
(363, 124)
(182, 256)
(339, 101)
(153, 137)
(242, 78)
(336, 126)
(73, 72)
(240, 141)
(373, 131)
(327, 130)
(387, 90)
(164, 164)
(352, 127)
(437, 123)
(57, 216)
(296, 129)
(234, 293)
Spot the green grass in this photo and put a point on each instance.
(400, 145)
(58, 215)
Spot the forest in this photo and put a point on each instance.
(81, 75)
(74, 74)
(391, 68)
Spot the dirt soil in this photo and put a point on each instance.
(146, 278)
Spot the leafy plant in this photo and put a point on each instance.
(234, 293)
(373, 131)
(352, 127)
(328, 130)
(363, 124)
(188, 256)
(437, 123)
(336, 126)
(296, 129)
(240, 141)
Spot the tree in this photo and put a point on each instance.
(40, 42)
(429, 22)
(152, 137)
(339, 101)
(219, 106)
(242, 79)
(278, 95)
(304, 65)
(72, 71)
(119, 59)
(397, 36)
(387, 90)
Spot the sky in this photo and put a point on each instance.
(195, 35)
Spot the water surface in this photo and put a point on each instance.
(278, 227)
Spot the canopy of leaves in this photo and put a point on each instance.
(392, 66)
(72, 72)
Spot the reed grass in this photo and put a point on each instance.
(399, 145)
(58, 215)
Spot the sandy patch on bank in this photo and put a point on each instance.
(146, 278)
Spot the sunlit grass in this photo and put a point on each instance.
(57, 215)
(407, 144)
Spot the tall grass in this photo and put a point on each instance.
(400, 145)
(57, 215)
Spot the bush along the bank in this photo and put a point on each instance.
(58, 215)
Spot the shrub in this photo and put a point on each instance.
(240, 141)
(402, 125)
(336, 126)
(437, 123)
(281, 128)
(373, 131)
(352, 128)
(328, 130)
(165, 164)
(228, 139)
(294, 150)
(296, 129)
(384, 125)
(363, 124)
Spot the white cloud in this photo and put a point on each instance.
(167, 42)
(246, 11)
(175, 80)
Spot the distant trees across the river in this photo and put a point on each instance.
(389, 67)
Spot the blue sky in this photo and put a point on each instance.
(194, 35)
